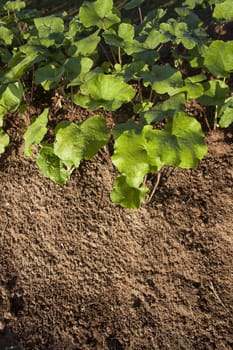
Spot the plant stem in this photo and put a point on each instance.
(151, 94)
(140, 15)
(119, 56)
(155, 187)
(216, 117)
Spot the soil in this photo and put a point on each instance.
(79, 273)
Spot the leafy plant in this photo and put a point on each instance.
(100, 62)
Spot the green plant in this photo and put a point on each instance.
(100, 61)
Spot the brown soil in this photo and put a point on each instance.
(79, 273)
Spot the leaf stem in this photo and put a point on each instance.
(119, 56)
(155, 187)
(140, 15)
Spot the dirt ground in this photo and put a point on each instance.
(79, 273)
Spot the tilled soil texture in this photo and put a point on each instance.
(79, 273)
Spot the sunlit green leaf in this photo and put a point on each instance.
(50, 30)
(163, 79)
(96, 135)
(14, 6)
(51, 166)
(85, 46)
(190, 138)
(76, 142)
(127, 196)
(106, 91)
(10, 97)
(218, 58)
(131, 158)
(99, 13)
(6, 36)
(224, 11)
(215, 93)
(226, 113)
(168, 108)
(35, 132)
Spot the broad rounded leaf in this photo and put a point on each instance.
(168, 108)
(226, 113)
(48, 76)
(35, 132)
(106, 91)
(85, 46)
(6, 36)
(190, 138)
(14, 6)
(76, 142)
(51, 166)
(224, 11)
(128, 197)
(76, 68)
(11, 96)
(218, 58)
(98, 13)
(50, 30)
(96, 135)
(163, 79)
(69, 143)
(130, 157)
(215, 93)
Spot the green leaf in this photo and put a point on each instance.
(76, 142)
(35, 132)
(192, 3)
(48, 76)
(4, 140)
(192, 86)
(224, 11)
(128, 125)
(168, 108)
(11, 96)
(133, 70)
(138, 152)
(14, 6)
(51, 166)
(17, 70)
(126, 32)
(226, 113)
(218, 58)
(132, 4)
(98, 13)
(6, 36)
(76, 69)
(130, 156)
(50, 30)
(215, 93)
(106, 91)
(156, 38)
(96, 135)
(128, 197)
(184, 36)
(69, 143)
(163, 79)
(190, 139)
(85, 46)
